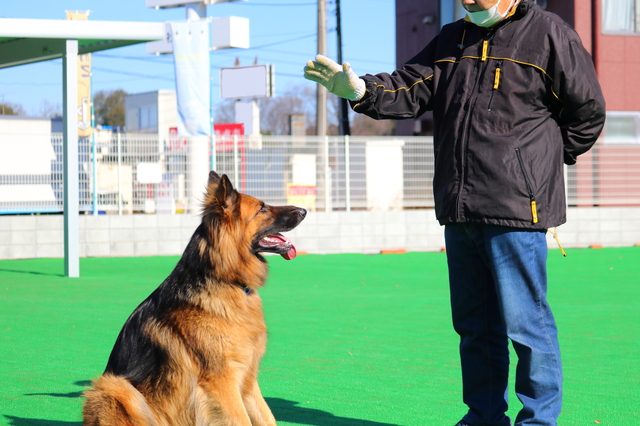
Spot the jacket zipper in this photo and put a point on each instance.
(463, 147)
(463, 162)
(532, 198)
(496, 84)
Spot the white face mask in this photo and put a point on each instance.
(487, 18)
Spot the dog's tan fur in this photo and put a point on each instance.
(189, 354)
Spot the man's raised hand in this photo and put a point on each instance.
(338, 79)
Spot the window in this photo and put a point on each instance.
(620, 16)
(148, 118)
(621, 127)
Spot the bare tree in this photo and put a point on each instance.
(224, 113)
(49, 109)
(301, 99)
(361, 125)
(275, 112)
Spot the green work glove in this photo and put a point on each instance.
(338, 79)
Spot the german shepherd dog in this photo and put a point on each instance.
(189, 354)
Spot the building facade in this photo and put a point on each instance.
(152, 112)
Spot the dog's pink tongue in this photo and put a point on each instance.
(290, 254)
(282, 241)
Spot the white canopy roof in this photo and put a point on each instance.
(24, 41)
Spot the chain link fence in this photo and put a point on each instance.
(137, 173)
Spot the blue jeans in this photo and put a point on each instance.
(498, 283)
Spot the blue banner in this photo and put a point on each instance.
(190, 41)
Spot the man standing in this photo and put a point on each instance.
(514, 94)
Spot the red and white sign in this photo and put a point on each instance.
(176, 143)
(302, 196)
(298, 190)
(230, 137)
(225, 134)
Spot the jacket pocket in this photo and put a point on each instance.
(496, 83)
(532, 198)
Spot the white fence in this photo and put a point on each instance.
(136, 173)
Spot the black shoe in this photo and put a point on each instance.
(462, 423)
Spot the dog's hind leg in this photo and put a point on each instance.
(113, 401)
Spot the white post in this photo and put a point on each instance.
(199, 161)
(347, 171)
(94, 171)
(212, 142)
(321, 92)
(198, 171)
(195, 11)
(248, 113)
(327, 177)
(70, 158)
(236, 163)
(119, 174)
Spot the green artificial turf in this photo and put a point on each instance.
(355, 340)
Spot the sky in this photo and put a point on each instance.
(282, 33)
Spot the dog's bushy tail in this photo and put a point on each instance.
(113, 401)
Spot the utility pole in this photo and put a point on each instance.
(343, 110)
(321, 92)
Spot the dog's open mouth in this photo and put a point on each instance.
(278, 243)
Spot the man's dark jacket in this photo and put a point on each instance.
(510, 105)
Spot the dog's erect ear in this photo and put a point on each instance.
(214, 178)
(225, 194)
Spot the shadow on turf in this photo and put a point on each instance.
(283, 410)
(31, 272)
(289, 411)
(19, 421)
(83, 383)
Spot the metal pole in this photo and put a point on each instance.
(70, 158)
(198, 170)
(347, 170)
(94, 154)
(327, 177)
(343, 110)
(212, 140)
(119, 173)
(235, 162)
(321, 92)
(94, 173)
(213, 151)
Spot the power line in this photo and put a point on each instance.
(232, 54)
(30, 83)
(274, 35)
(159, 77)
(253, 3)
(283, 41)
(148, 58)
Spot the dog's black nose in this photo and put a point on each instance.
(302, 213)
